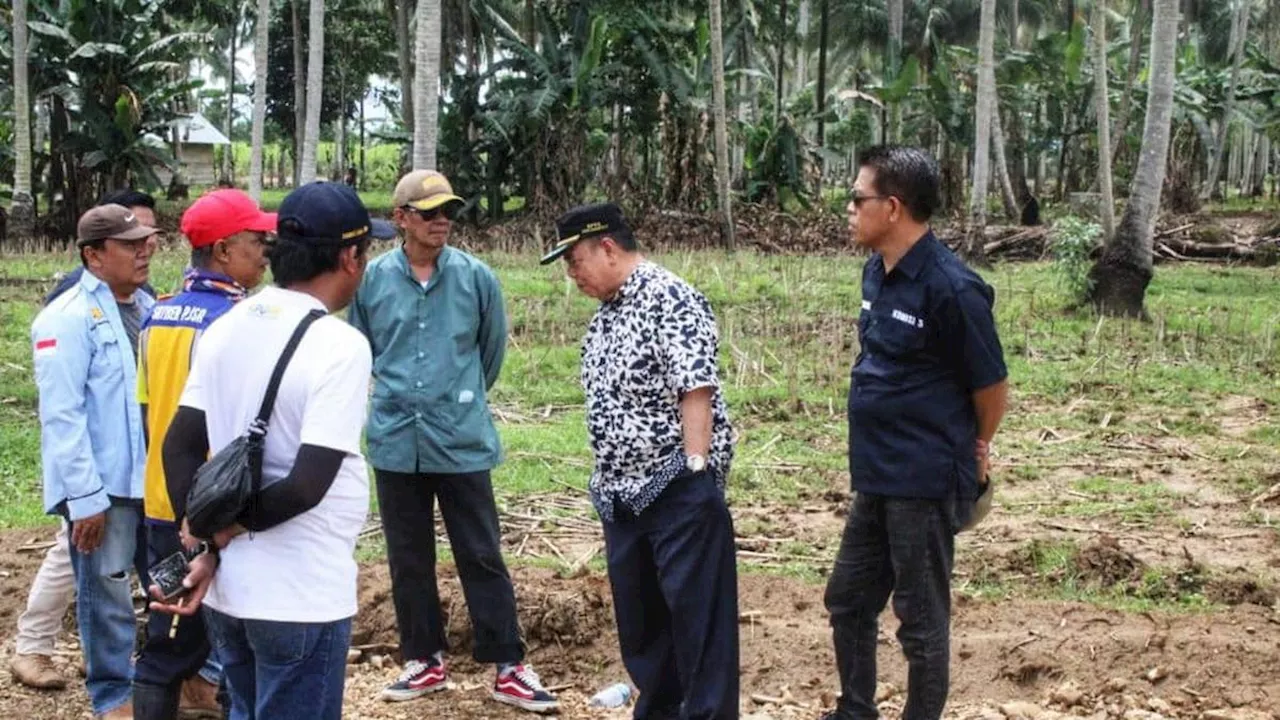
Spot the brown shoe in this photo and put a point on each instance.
(124, 712)
(37, 671)
(199, 700)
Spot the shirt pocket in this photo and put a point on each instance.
(106, 363)
(896, 338)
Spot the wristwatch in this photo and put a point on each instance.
(695, 463)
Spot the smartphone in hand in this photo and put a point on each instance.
(169, 573)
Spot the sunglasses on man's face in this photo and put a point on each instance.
(445, 210)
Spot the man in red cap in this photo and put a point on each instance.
(228, 234)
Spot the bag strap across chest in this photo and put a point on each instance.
(259, 426)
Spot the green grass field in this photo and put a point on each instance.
(787, 341)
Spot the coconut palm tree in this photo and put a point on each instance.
(400, 15)
(973, 249)
(722, 125)
(426, 86)
(22, 209)
(895, 59)
(260, 45)
(1238, 40)
(299, 90)
(1102, 100)
(1120, 277)
(315, 85)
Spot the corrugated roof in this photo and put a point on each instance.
(196, 130)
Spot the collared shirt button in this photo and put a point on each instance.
(421, 354)
(418, 384)
(422, 326)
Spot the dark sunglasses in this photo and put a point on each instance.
(859, 199)
(447, 210)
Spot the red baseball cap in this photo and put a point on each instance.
(222, 213)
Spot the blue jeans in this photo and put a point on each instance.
(281, 670)
(104, 608)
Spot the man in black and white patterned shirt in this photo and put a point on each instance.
(663, 445)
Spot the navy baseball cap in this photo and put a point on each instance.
(587, 221)
(325, 213)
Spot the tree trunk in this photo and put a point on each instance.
(1120, 277)
(722, 126)
(531, 24)
(780, 70)
(802, 46)
(1239, 38)
(1249, 153)
(22, 209)
(1002, 166)
(895, 10)
(1258, 188)
(403, 59)
(976, 239)
(315, 86)
(1015, 22)
(259, 99)
(746, 94)
(340, 137)
(299, 93)
(1041, 162)
(360, 182)
(1107, 203)
(824, 23)
(1136, 26)
(426, 84)
(229, 153)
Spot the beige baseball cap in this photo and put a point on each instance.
(110, 221)
(424, 190)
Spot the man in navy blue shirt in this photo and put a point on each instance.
(928, 392)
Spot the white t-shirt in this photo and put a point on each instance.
(304, 569)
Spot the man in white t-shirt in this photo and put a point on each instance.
(279, 600)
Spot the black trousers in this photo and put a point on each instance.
(675, 594)
(904, 547)
(406, 503)
(168, 661)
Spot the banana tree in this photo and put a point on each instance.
(107, 70)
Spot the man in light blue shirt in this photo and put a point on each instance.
(92, 441)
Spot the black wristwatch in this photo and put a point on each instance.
(205, 547)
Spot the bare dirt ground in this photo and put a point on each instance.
(1013, 658)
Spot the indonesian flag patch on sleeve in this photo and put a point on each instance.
(46, 347)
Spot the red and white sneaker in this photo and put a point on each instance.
(420, 677)
(519, 685)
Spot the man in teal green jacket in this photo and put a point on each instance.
(435, 321)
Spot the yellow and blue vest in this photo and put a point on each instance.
(166, 347)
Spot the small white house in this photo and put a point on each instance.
(198, 138)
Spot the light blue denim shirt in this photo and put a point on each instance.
(91, 436)
(437, 349)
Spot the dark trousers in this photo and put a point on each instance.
(406, 503)
(166, 661)
(675, 595)
(905, 547)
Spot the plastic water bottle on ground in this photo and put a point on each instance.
(614, 696)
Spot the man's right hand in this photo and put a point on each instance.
(197, 582)
(87, 533)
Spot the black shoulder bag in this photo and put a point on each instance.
(228, 483)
